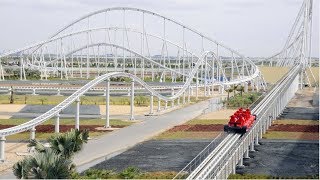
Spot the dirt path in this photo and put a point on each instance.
(10, 108)
(222, 114)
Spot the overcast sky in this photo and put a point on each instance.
(253, 27)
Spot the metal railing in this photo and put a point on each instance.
(272, 103)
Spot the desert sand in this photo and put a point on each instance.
(11, 155)
(10, 108)
(222, 114)
(124, 110)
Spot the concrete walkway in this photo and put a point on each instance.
(111, 144)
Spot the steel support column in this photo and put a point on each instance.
(240, 164)
(256, 140)
(2, 148)
(197, 86)
(159, 105)
(172, 94)
(107, 91)
(252, 146)
(246, 154)
(32, 133)
(151, 104)
(189, 89)
(57, 124)
(132, 101)
(77, 118)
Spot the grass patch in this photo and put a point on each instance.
(113, 122)
(25, 136)
(249, 176)
(186, 135)
(42, 136)
(273, 74)
(207, 121)
(244, 100)
(291, 135)
(264, 176)
(86, 100)
(298, 122)
(128, 173)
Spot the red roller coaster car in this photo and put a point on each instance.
(240, 121)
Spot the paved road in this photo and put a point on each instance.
(111, 144)
(108, 145)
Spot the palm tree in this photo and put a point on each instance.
(229, 91)
(82, 100)
(234, 89)
(44, 165)
(52, 162)
(69, 143)
(11, 95)
(43, 100)
(64, 144)
(241, 90)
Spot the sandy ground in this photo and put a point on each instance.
(222, 114)
(11, 108)
(273, 74)
(303, 98)
(11, 157)
(124, 110)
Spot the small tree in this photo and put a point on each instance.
(234, 89)
(240, 89)
(43, 165)
(25, 99)
(130, 173)
(43, 100)
(83, 99)
(52, 162)
(230, 90)
(11, 95)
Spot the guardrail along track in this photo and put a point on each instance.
(224, 158)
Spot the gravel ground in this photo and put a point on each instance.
(308, 113)
(284, 158)
(156, 155)
(84, 109)
(276, 158)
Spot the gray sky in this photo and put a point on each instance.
(253, 27)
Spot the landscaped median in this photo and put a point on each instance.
(46, 129)
(293, 129)
(194, 129)
(209, 128)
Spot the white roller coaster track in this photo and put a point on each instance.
(55, 110)
(200, 63)
(59, 36)
(210, 167)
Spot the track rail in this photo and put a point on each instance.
(55, 110)
(228, 150)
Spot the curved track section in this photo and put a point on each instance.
(132, 40)
(51, 113)
(55, 110)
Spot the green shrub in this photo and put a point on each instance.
(130, 173)
(242, 101)
(264, 176)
